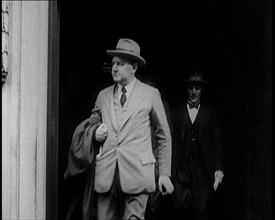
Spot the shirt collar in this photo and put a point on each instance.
(188, 107)
(128, 87)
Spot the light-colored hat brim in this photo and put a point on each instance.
(128, 54)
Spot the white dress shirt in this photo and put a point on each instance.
(129, 88)
(193, 113)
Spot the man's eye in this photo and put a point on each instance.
(118, 63)
(194, 87)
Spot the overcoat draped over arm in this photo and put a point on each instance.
(81, 161)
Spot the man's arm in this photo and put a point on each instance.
(83, 147)
(217, 140)
(163, 142)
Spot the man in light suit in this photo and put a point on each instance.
(124, 172)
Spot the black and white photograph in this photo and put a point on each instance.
(136, 110)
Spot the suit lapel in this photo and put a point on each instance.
(134, 101)
(110, 106)
(200, 115)
(183, 119)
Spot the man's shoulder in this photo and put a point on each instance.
(147, 88)
(208, 106)
(106, 90)
(210, 110)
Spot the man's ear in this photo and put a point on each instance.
(135, 66)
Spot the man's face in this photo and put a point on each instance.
(194, 91)
(123, 71)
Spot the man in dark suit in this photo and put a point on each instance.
(197, 164)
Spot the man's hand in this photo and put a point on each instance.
(218, 178)
(165, 185)
(101, 132)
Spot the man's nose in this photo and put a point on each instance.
(114, 67)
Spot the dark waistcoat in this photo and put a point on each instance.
(197, 172)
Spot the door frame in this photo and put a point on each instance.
(52, 111)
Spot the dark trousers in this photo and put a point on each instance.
(199, 207)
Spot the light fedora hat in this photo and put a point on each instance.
(128, 48)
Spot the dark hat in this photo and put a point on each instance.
(196, 77)
(128, 48)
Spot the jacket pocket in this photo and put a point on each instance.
(147, 158)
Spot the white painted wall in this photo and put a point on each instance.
(24, 111)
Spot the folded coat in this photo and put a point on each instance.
(81, 160)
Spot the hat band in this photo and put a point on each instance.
(132, 51)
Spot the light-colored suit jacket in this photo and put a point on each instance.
(129, 145)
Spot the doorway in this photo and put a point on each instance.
(172, 45)
(190, 36)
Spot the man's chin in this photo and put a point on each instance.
(116, 80)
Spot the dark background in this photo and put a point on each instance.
(230, 41)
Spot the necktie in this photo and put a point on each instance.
(123, 96)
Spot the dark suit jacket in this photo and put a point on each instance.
(210, 137)
(210, 140)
